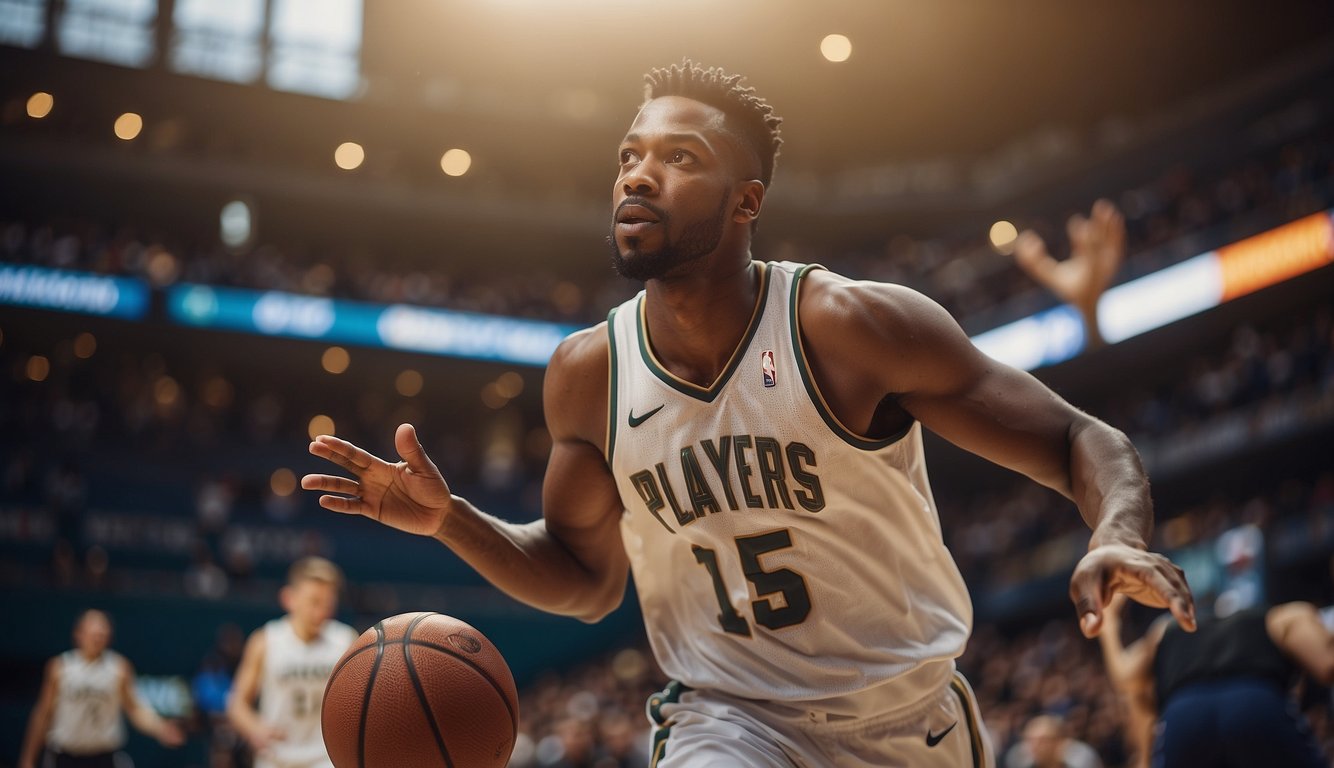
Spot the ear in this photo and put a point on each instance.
(285, 598)
(752, 199)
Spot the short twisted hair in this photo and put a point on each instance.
(751, 117)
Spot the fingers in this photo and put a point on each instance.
(345, 505)
(1087, 589)
(410, 449)
(1030, 252)
(331, 484)
(342, 453)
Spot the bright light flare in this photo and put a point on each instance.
(128, 126)
(836, 48)
(349, 156)
(40, 104)
(1003, 236)
(455, 162)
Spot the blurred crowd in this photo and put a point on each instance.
(1178, 214)
(78, 417)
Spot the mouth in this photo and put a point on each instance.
(633, 219)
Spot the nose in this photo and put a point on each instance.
(638, 182)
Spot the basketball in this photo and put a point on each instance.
(420, 689)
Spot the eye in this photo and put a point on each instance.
(628, 157)
(680, 156)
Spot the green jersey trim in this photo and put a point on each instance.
(813, 390)
(710, 393)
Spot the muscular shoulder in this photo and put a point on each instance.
(574, 394)
(864, 324)
(830, 301)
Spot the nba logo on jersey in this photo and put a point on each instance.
(767, 366)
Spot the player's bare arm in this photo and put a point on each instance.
(881, 352)
(1297, 630)
(40, 722)
(245, 690)
(142, 716)
(569, 562)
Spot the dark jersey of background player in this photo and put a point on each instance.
(1223, 695)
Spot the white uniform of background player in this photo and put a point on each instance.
(78, 713)
(792, 560)
(286, 665)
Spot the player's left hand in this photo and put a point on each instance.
(1145, 577)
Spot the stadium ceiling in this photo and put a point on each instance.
(942, 110)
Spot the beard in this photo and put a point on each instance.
(697, 240)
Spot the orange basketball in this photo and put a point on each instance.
(422, 690)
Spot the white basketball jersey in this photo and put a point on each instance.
(292, 689)
(87, 718)
(777, 554)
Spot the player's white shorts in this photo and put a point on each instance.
(704, 729)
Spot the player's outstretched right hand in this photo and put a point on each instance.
(409, 495)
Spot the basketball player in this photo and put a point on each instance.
(286, 664)
(746, 438)
(84, 692)
(1221, 695)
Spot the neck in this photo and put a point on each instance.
(91, 655)
(304, 632)
(696, 320)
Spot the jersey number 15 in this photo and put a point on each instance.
(783, 581)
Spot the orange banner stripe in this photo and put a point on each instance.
(1277, 255)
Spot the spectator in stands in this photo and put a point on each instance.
(1047, 745)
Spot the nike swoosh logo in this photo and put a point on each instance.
(933, 739)
(637, 420)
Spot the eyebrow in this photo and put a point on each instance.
(679, 137)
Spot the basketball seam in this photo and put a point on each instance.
(421, 692)
(514, 720)
(366, 701)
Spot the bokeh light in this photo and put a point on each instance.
(509, 385)
(335, 360)
(455, 162)
(85, 344)
(282, 482)
(409, 383)
(836, 47)
(349, 155)
(128, 126)
(38, 368)
(1003, 236)
(320, 425)
(40, 104)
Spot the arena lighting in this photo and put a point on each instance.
(38, 368)
(1003, 235)
(40, 104)
(349, 155)
(409, 383)
(1183, 289)
(236, 223)
(85, 344)
(335, 360)
(320, 425)
(455, 162)
(65, 291)
(128, 126)
(836, 48)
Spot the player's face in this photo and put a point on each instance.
(93, 634)
(676, 189)
(311, 602)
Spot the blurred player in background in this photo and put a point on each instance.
(84, 693)
(747, 438)
(1221, 696)
(286, 664)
